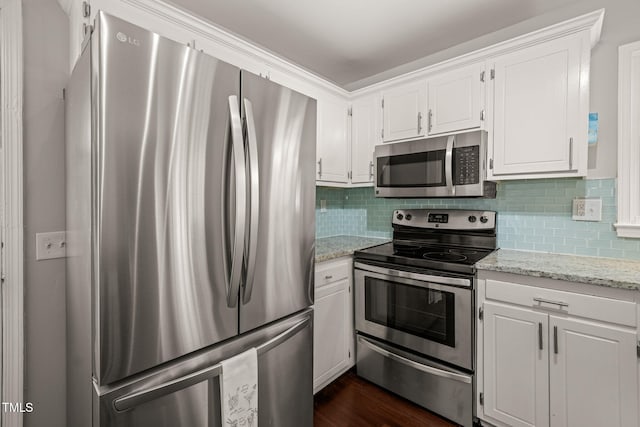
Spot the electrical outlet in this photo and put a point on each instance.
(51, 245)
(587, 209)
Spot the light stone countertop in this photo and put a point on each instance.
(337, 246)
(609, 272)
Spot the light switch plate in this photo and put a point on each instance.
(51, 245)
(587, 209)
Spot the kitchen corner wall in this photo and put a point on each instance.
(532, 215)
(46, 65)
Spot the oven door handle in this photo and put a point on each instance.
(412, 364)
(448, 166)
(455, 281)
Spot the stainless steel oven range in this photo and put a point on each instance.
(415, 305)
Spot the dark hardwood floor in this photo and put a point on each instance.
(351, 401)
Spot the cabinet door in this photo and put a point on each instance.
(516, 382)
(403, 111)
(537, 109)
(593, 374)
(333, 141)
(332, 333)
(363, 139)
(455, 100)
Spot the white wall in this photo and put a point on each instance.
(621, 26)
(45, 74)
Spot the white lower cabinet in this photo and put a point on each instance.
(333, 330)
(516, 369)
(592, 371)
(544, 364)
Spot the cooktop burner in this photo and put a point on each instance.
(444, 256)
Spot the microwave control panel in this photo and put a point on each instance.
(466, 165)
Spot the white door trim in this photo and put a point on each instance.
(11, 202)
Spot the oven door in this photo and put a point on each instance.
(429, 314)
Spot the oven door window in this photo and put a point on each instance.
(425, 169)
(427, 313)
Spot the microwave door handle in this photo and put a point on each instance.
(448, 166)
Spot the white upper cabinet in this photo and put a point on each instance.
(403, 111)
(363, 139)
(540, 109)
(456, 100)
(332, 150)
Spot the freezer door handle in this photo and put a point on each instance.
(251, 244)
(137, 398)
(237, 144)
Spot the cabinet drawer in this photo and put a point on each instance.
(574, 304)
(331, 271)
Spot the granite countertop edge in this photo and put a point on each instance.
(328, 248)
(607, 272)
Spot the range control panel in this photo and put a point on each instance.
(446, 219)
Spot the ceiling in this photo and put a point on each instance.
(347, 41)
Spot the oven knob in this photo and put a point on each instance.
(408, 217)
(484, 219)
(472, 218)
(399, 216)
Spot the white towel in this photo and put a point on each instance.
(239, 390)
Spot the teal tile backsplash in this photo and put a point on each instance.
(532, 215)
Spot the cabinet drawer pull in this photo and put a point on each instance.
(555, 339)
(419, 122)
(547, 301)
(327, 277)
(371, 170)
(320, 168)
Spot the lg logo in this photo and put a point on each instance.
(126, 39)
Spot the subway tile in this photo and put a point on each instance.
(611, 253)
(532, 214)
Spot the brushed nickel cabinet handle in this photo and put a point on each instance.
(571, 153)
(540, 335)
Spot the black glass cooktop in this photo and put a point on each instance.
(439, 257)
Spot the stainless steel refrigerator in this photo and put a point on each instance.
(190, 229)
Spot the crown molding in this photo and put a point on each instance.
(66, 5)
(591, 22)
(218, 36)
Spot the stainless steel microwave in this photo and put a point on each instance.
(446, 166)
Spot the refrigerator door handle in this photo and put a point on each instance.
(137, 398)
(254, 178)
(237, 144)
